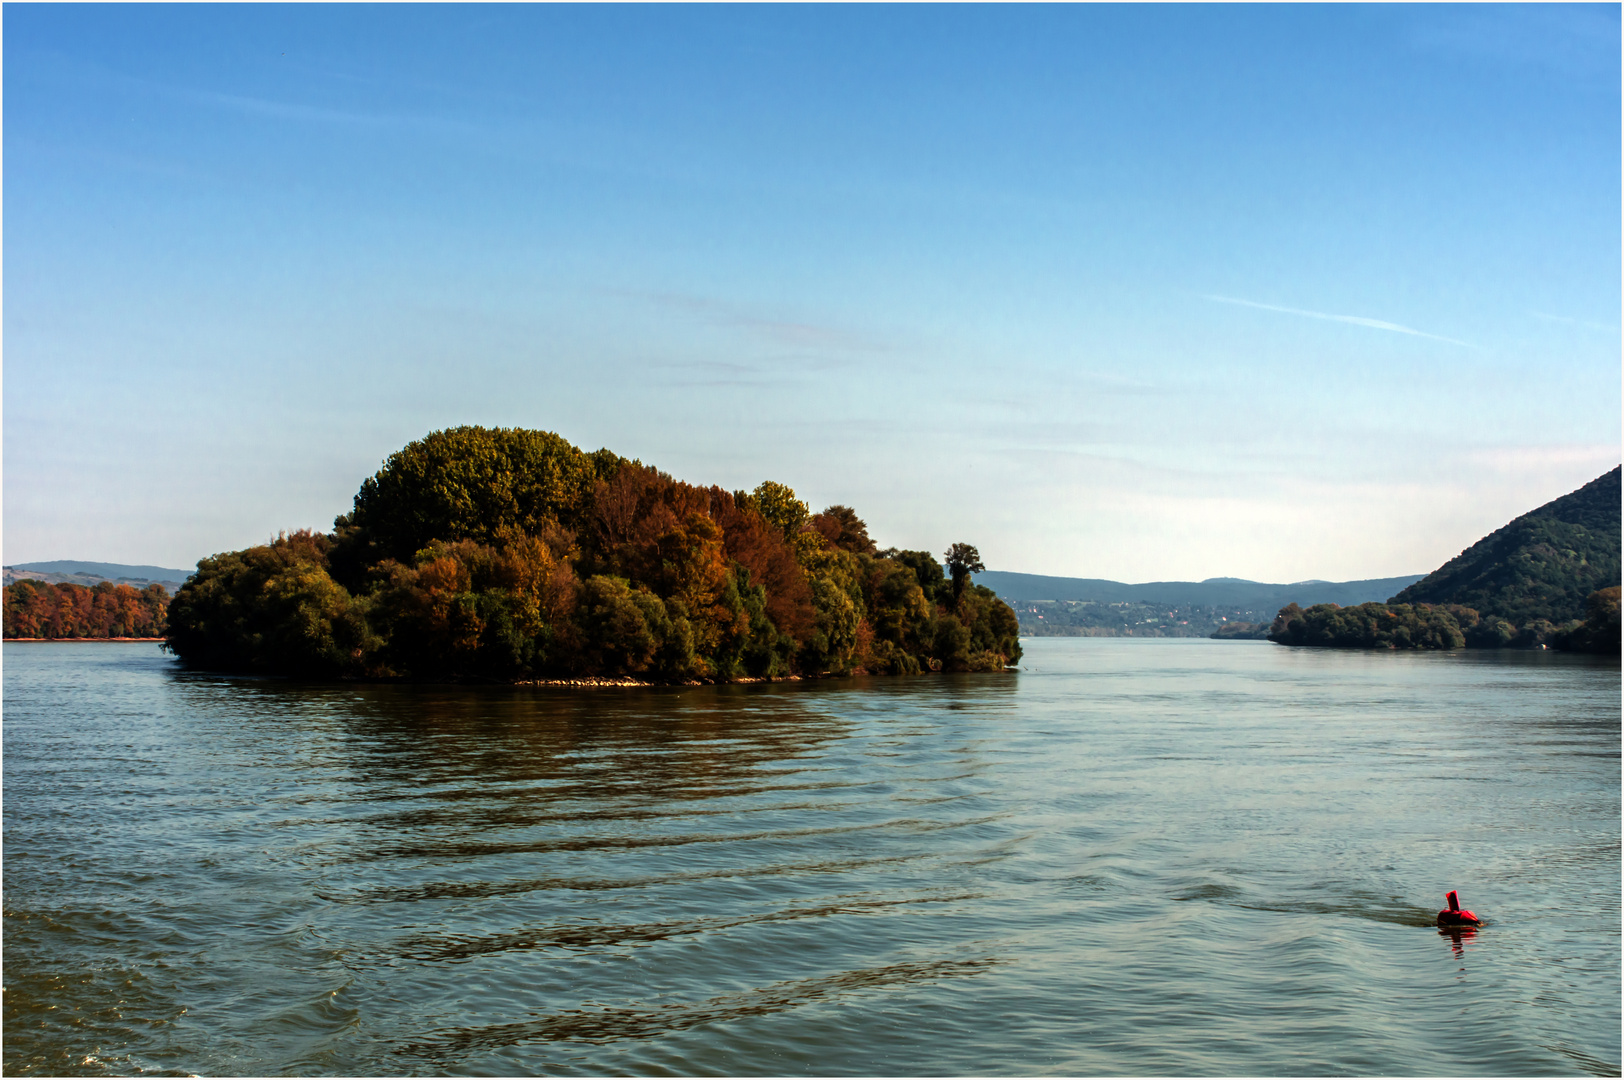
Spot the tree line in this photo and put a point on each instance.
(1446, 626)
(40, 609)
(507, 554)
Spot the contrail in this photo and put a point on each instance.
(1356, 320)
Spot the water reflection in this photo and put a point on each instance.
(1458, 937)
(544, 838)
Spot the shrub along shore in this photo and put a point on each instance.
(509, 555)
(1446, 626)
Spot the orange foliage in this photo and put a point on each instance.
(842, 528)
(36, 609)
(761, 549)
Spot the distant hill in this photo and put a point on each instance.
(74, 572)
(1226, 593)
(1222, 607)
(1540, 566)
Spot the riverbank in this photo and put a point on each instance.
(628, 681)
(41, 640)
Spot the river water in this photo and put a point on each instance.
(1133, 856)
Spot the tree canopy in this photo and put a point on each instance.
(1372, 626)
(475, 483)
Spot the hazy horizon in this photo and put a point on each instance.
(1132, 293)
(35, 565)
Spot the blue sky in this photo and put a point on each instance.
(1131, 292)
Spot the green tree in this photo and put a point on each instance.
(615, 627)
(838, 609)
(962, 561)
(1599, 633)
(271, 608)
(927, 571)
(1373, 626)
(778, 504)
(471, 483)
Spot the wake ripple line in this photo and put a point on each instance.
(459, 890)
(601, 843)
(612, 1024)
(457, 948)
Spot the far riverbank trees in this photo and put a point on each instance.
(39, 609)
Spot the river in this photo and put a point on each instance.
(1133, 856)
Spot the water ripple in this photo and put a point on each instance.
(1136, 857)
(454, 948)
(610, 1024)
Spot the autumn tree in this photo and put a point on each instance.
(760, 550)
(38, 609)
(842, 528)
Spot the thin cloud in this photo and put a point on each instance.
(776, 331)
(1356, 320)
(1586, 323)
(317, 114)
(1542, 460)
(252, 106)
(282, 110)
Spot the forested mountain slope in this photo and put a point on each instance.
(1526, 585)
(1542, 565)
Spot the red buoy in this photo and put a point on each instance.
(1455, 915)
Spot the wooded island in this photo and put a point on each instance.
(507, 554)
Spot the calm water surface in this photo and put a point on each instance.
(1131, 857)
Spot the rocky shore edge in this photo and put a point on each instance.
(628, 681)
